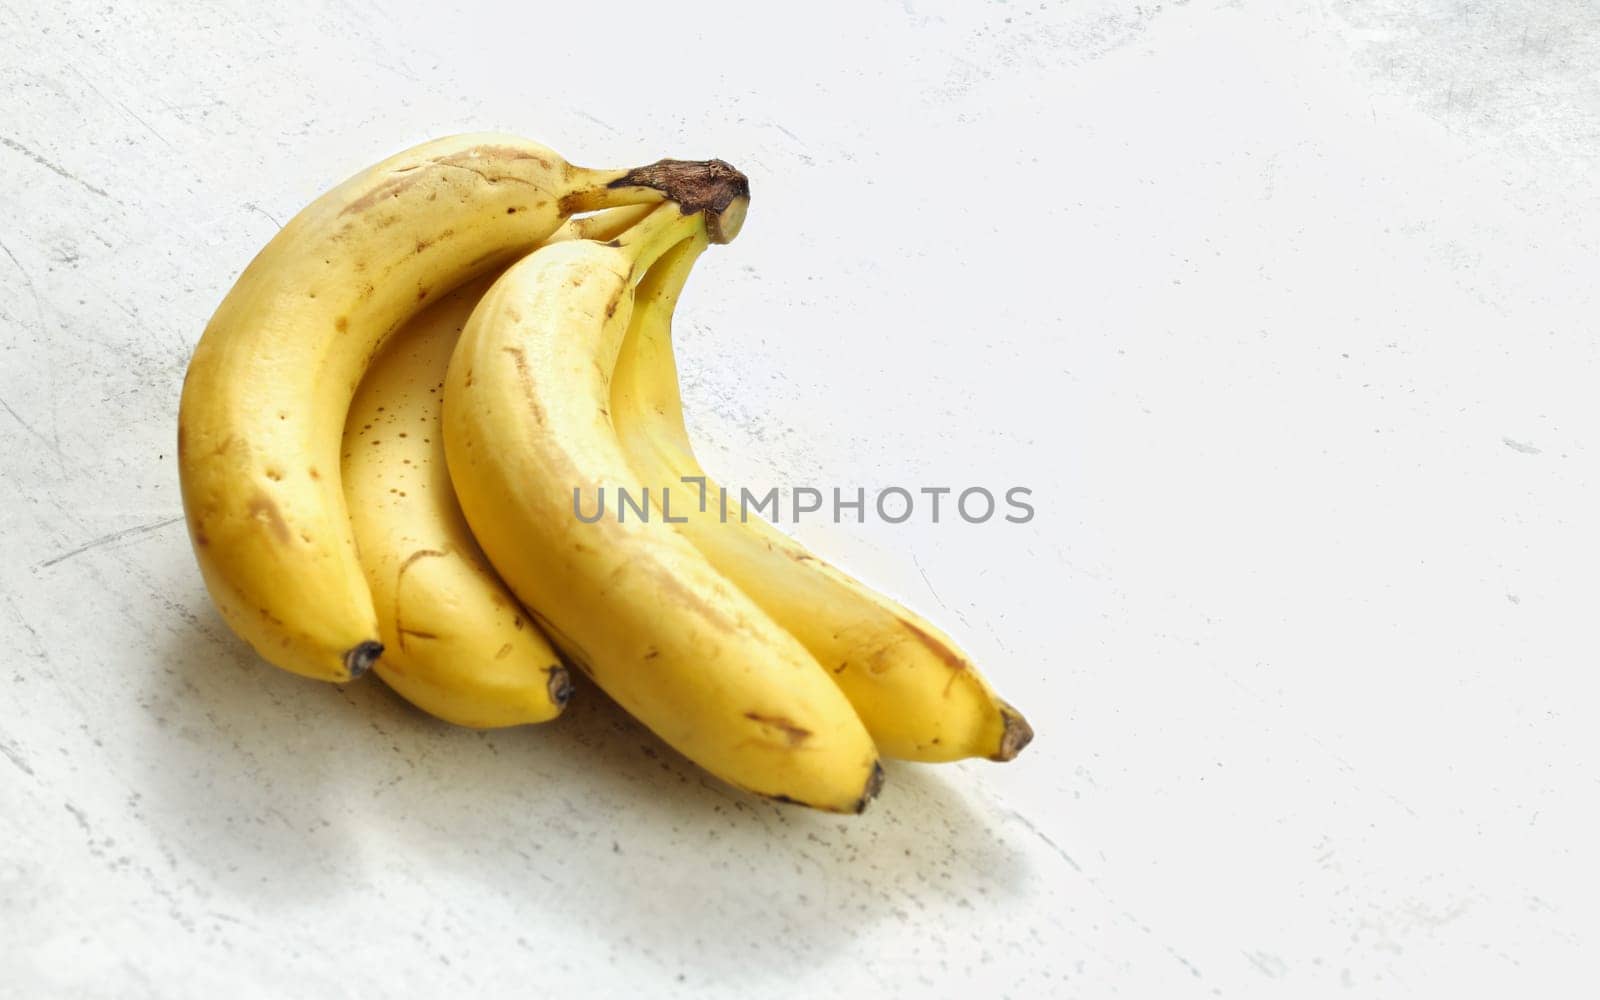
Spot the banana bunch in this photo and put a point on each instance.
(386, 425)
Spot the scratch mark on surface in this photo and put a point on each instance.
(788, 133)
(1103, 894)
(118, 104)
(33, 633)
(399, 69)
(996, 636)
(1345, 766)
(38, 309)
(1270, 965)
(924, 573)
(1525, 448)
(1181, 960)
(11, 753)
(54, 448)
(147, 126)
(143, 529)
(83, 821)
(605, 125)
(50, 165)
(1057, 848)
(252, 206)
(27, 280)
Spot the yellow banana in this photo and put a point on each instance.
(920, 697)
(456, 643)
(635, 604)
(270, 383)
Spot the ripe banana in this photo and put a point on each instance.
(271, 380)
(920, 697)
(635, 604)
(456, 643)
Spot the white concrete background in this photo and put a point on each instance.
(1285, 310)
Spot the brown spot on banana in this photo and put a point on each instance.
(415, 634)
(399, 581)
(687, 596)
(394, 187)
(794, 734)
(412, 558)
(952, 659)
(525, 376)
(264, 510)
(498, 153)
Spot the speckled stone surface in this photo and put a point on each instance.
(1284, 311)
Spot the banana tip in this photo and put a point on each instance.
(1015, 735)
(360, 657)
(874, 786)
(559, 685)
(723, 226)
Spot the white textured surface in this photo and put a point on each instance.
(1286, 312)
